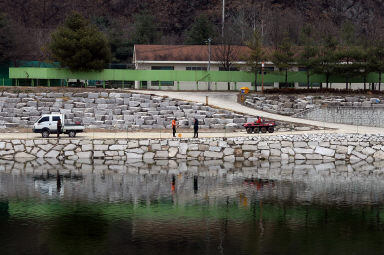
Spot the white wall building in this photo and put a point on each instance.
(185, 58)
(196, 57)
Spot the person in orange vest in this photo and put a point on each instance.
(258, 121)
(174, 127)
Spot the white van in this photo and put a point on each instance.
(47, 124)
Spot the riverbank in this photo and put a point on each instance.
(290, 148)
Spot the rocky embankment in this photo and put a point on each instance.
(293, 104)
(325, 148)
(119, 111)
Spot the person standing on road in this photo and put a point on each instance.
(174, 127)
(58, 127)
(196, 129)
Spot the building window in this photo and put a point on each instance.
(162, 83)
(195, 68)
(162, 67)
(230, 69)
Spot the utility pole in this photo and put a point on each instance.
(209, 63)
(223, 20)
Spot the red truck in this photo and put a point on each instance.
(263, 127)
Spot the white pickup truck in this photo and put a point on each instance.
(47, 124)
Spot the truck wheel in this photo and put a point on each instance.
(256, 130)
(263, 130)
(45, 133)
(72, 133)
(249, 130)
(271, 130)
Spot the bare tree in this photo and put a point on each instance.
(227, 53)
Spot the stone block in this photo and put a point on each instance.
(148, 155)
(84, 154)
(69, 153)
(213, 154)
(133, 144)
(359, 155)
(87, 147)
(228, 151)
(118, 147)
(288, 150)
(98, 154)
(250, 147)
(183, 147)
(161, 154)
(194, 154)
(100, 147)
(300, 145)
(325, 151)
(303, 151)
(52, 154)
(24, 155)
(230, 158)
(93, 95)
(313, 156)
(135, 156)
(172, 152)
(378, 155)
(368, 151)
(19, 148)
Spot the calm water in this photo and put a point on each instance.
(167, 207)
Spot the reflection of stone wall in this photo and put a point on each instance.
(114, 180)
(373, 117)
(326, 148)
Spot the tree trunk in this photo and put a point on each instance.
(326, 81)
(307, 80)
(365, 81)
(379, 81)
(286, 78)
(255, 80)
(229, 86)
(346, 83)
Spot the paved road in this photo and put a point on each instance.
(153, 135)
(227, 100)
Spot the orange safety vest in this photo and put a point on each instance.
(173, 123)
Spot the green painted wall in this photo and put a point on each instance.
(164, 75)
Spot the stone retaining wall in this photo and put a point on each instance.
(359, 116)
(294, 104)
(111, 110)
(127, 111)
(325, 148)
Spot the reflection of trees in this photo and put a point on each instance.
(4, 207)
(79, 232)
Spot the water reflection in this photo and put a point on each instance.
(116, 207)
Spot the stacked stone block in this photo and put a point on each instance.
(323, 148)
(111, 110)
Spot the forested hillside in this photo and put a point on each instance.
(26, 25)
